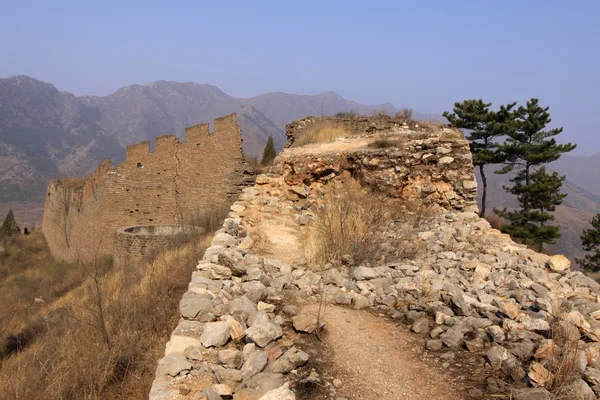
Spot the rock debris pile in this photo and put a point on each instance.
(534, 321)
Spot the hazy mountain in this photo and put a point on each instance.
(283, 108)
(572, 216)
(46, 133)
(581, 170)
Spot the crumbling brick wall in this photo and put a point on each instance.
(169, 185)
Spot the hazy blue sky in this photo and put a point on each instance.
(420, 54)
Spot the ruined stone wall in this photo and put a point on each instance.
(436, 170)
(169, 185)
(354, 126)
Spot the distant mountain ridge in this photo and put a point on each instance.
(46, 133)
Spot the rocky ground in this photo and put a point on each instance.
(490, 318)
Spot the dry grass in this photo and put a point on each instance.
(262, 245)
(346, 222)
(350, 220)
(210, 220)
(380, 113)
(346, 114)
(321, 132)
(387, 142)
(495, 221)
(429, 126)
(563, 358)
(405, 115)
(102, 338)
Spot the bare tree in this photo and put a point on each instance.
(94, 315)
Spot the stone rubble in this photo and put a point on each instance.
(470, 289)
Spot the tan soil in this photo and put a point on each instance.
(284, 243)
(375, 359)
(340, 144)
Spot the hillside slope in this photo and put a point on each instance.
(572, 216)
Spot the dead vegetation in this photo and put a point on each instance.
(495, 221)
(405, 115)
(385, 142)
(262, 244)
(351, 223)
(321, 132)
(345, 224)
(560, 354)
(93, 330)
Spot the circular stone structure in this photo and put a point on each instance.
(136, 243)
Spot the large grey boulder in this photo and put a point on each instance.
(195, 306)
(531, 394)
(579, 390)
(290, 360)
(173, 365)
(215, 334)
(281, 393)
(254, 364)
(496, 355)
(264, 333)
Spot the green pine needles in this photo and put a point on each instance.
(269, 153)
(484, 127)
(590, 239)
(526, 149)
(9, 227)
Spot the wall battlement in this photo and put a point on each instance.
(169, 185)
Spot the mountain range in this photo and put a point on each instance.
(46, 133)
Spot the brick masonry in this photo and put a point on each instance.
(169, 185)
(135, 244)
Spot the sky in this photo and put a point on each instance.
(425, 55)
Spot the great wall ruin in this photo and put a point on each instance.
(169, 185)
(466, 314)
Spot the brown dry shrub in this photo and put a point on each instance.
(405, 114)
(562, 364)
(262, 245)
(321, 132)
(102, 339)
(387, 142)
(346, 222)
(210, 220)
(495, 221)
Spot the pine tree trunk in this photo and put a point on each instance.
(526, 196)
(484, 192)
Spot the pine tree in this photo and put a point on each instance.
(9, 226)
(543, 195)
(526, 150)
(269, 153)
(590, 239)
(484, 127)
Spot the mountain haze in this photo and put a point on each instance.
(574, 215)
(46, 133)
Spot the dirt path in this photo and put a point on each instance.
(284, 243)
(375, 359)
(340, 144)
